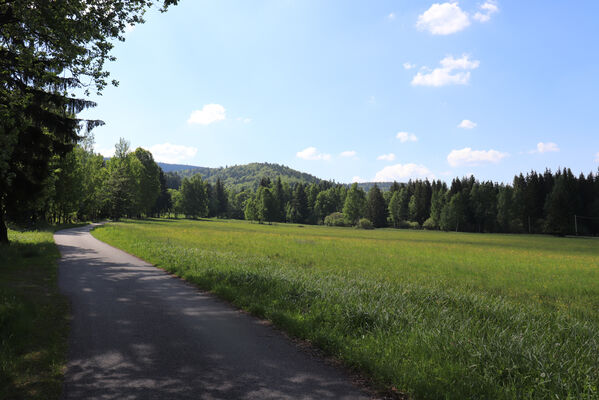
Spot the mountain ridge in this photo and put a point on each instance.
(248, 176)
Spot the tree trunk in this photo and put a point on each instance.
(3, 229)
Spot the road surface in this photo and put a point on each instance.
(139, 333)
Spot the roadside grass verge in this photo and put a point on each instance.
(33, 318)
(435, 315)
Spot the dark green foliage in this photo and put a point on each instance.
(149, 181)
(194, 198)
(221, 198)
(297, 210)
(376, 209)
(561, 205)
(164, 202)
(48, 50)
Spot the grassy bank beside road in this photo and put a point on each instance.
(434, 314)
(33, 318)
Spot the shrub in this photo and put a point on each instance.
(430, 225)
(404, 224)
(414, 225)
(335, 219)
(364, 223)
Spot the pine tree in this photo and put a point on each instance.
(376, 209)
(221, 198)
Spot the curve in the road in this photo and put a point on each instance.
(139, 333)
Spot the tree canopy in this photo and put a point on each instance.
(49, 51)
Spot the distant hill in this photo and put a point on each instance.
(240, 177)
(248, 176)
(176, 167)
(384, 186)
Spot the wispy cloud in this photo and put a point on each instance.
(486, 10)
(443, 19)
(172, 153)
(453, 71)
(311, 153)
(209, 114)
(348, 153)
(357, 179)
(467, 156)
(406, 137)
(597, 157)
(467, 124)
(386, 157)
(391, 16)
(402, 172)
(548, 147)
(408, 65)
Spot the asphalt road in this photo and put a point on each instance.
(139, 333)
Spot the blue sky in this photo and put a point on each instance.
(376, 90)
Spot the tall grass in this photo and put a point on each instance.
(436, 315)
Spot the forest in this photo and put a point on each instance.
(85, 186)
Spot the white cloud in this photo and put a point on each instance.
(208, 114)
(106, 152)
(391, 16)
(406, 137)
(548, 147)
(310, 153)
(486, 10)
(453, 71)
(357, 179)
(443, 19)
(407, 65)
(402, 172)
(467, 124)
(386, 157)
(451, 63)
(129, 28)
(467, 156)
(349, 153)
(172, 153)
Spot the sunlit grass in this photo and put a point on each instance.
(437, 315)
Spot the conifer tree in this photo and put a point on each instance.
(376, 209)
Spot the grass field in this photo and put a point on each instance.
(33, 318)
(436, 315)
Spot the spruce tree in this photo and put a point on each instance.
(376, 209)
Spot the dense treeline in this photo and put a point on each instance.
(240, 177)
(85, 186)
(535, 203)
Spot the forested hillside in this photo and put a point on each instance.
(248, 176)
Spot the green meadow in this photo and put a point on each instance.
(435, 315)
